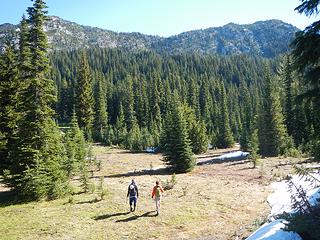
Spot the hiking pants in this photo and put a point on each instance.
(157, 200)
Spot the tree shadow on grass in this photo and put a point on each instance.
(95, 200)
(106, 216)
(10, 197)
(135, 217)
(159, 171)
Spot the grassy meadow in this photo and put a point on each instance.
(218, 200)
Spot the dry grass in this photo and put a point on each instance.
(220, 200)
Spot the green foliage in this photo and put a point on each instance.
(46, 178)
(176, 143)
(248, 118)
(9, 115)
(225, 137)
(138, 87)
(306, 218)
(35, 164)
(273, 136)
(253, 147)
(84, 97)
(75, 147)
(315, 151)
(102, 191)
(199, 138)
(101, 115)
(86, 183)
(197, 132)
(306, 57)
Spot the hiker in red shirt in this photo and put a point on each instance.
(156, 195)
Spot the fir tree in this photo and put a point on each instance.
(204, 102)
(37, 172)
(128, 101)
(247, 117)
(75, 147)
(9, 115)
(176, 144)
(101, 115)
(225, 138)
(24, 58)
(253, 144)
(84, 98)
(196, 130)
(273, 136)
(65, 101)
(120, 129)
(287, 77)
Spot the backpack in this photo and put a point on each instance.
(158, 192)
(132, 190)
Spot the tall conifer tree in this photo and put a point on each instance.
(84, 97)
(273, 136)
(225, 138)
(101, 115)
(176, 142)
(38, 171)
(9, 115)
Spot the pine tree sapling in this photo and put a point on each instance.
(102, 191)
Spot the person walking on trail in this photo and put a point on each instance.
(156, 195)
(133, 195)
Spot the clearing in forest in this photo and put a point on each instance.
(219, 200)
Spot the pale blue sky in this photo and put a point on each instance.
(161, 17)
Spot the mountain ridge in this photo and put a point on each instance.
(267, 38)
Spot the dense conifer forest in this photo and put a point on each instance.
(229, 96)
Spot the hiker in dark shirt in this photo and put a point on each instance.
(133, 195)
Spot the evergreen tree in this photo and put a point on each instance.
(156, 120)
(305, 50)
(194, 96)
(196, 131)
(24, 58)
(141, 105)
(75, 147)
(84, 98)
(273, 137)
(128, 103)
(37, 170)
(101, 115)
(253, 143)
(205, 102)
(176, 144)
(198, 137)
(9, 115)
(287, 77)
(247, 117)
(306, 57)
(65, 101)
(120, 129)
(225, 138)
